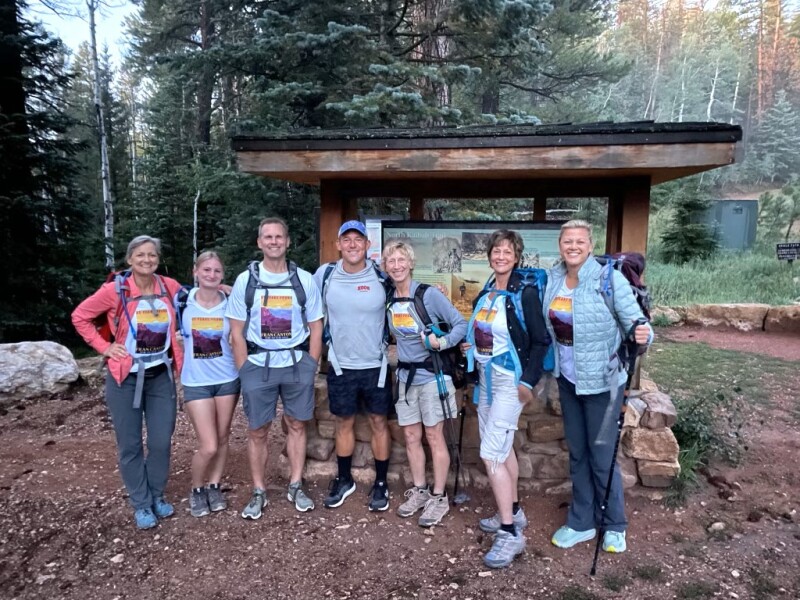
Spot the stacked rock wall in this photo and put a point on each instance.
(648, 450)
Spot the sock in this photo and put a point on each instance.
(381, 469)
(515, 508)
(197, 490)
(213, 486)
(509, 528)
(345, 462)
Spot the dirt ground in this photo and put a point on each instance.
(67, 531)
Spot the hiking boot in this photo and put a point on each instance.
(216, 499)
(379, 498)
(338, 489)
(198, 503)
(614, 542)
(417, 497)
(145, 518)
(257, 502)
(505, 549)
(435, 508)
(296, 494)
(492, 524)
(162, 508)
(566, 537)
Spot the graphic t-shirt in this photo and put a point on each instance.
(149, 334)
(206, 335)
(404, 321)
(276, 322)
(491, 329)
(560, 313)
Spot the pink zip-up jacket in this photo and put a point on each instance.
(106, 301)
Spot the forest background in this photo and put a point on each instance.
(196, 72)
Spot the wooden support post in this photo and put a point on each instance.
(332, 210)
(628, 215)
(540, 208)
(416, 208)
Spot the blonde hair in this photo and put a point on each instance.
(577, 224)
(208, 255)
(400, 246)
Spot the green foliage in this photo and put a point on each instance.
(44, 221)
(747, 277)
(778, 212)
(691, 459)
(686, 237)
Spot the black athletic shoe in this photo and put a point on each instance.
(338, 490)
(379, 497)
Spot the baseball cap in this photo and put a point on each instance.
(355, 225)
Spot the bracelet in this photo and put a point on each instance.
(442, 343)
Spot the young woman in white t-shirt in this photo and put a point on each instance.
(210, 382)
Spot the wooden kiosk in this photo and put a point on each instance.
(619, 161)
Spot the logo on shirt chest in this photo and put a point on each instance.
(362, 288)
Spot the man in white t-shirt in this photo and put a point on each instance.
(276, 337)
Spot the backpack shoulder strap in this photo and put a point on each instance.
(181, 300)
(299, 292)
(122, 288)
(419, 304)
(250, 293)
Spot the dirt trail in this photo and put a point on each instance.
(67, 532)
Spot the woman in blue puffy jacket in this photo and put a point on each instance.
(590, 379)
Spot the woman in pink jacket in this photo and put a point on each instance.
(140, 385)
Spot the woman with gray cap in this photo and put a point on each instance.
(140, 386)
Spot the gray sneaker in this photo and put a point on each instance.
(492, 524)
(257, 502)
(296, 494)
(216, 499)
(417, 497)
(435, 508)
(505, 549)
(198, 503)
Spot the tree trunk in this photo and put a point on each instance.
(105, 171)
(205, 86)
(713, 90)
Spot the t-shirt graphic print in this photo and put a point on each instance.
(403, 322)
(207, 337)
(484, 340)
(276, 317)
(561, 318)
(152, 328)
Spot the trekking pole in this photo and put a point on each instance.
(632, 350)
(450, 435)
(462, 413)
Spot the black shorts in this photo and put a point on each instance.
(356, 390)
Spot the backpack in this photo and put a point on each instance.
(528, 276)
(122, 289)
(388, 288)
(631, 265)
(254, 283)
(453, 363)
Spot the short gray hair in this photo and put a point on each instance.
(141, 240)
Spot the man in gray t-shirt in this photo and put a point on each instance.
(354, 303)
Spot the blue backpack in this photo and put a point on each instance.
(528, 276)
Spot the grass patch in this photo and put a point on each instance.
(696, 590)
(575, 592)
(745, 277)
(616, 583)
(648, 572)
(762, 584)
(714, 392)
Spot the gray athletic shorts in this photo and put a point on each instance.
(498, 422)
(260, 397)
(203, 392)
(422, 403)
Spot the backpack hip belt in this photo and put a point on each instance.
(303, 346)
(142, 362)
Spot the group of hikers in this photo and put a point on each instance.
(264, 338)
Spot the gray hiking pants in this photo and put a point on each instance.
(144, 477)
(591, 447)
